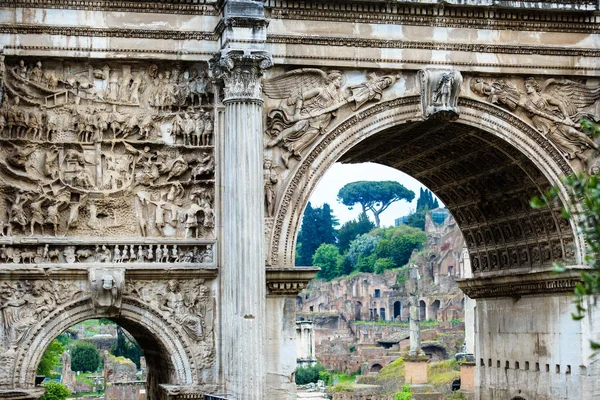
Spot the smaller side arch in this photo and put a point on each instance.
(167, 351)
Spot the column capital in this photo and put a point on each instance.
(241, 72)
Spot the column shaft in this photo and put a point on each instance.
(243, 270)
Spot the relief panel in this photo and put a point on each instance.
(106, 152)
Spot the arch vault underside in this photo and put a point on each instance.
(156, 158)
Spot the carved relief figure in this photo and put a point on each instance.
(183, 311)
(554, 107)
(310, 100)
(271, 179)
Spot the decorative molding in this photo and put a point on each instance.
(202, 7)
(241, 73)
(430, 45)
(520, 285)
(107, 32)
(92, 49)
(473, 17)
(437, 63)
(288, 282)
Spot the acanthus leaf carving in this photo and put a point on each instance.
(241, 73)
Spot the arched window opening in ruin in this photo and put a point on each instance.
(435, 308)
(376, 368)
(398, 310)
(358, 311)
(451, 270)
(422, 310)
(382, 314)
(89, 357)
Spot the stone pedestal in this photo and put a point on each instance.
(24, 394)
(467, 376)
(415, 371)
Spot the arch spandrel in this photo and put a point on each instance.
(520, 159)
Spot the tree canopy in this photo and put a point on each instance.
(425, 202)
(127, 347)
(318, 227)
(374, 196)
(50, 358)
(352, 229)
(327, 258)
(85, 357)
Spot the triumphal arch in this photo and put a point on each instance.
(156, 157)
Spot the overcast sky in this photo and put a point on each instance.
(341, 174)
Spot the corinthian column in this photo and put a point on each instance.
(243, 265)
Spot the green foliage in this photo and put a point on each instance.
(366, 263)
(55, 391)
(586, 188)
(325, 376)
(443, 372)
(383, 264)
(405, 394)
(343, 387)
(318, 227)
(50, 358)
(398, 243)
(352, 229)
(374, 196)
(64, 339)
(363, 245)
(327, 257)
(426, 200)
(310, 374)
(352, 348)
(126, 347)
(85, 357)
(394, 369)
(416, 220)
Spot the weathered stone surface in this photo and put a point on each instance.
(145, 169)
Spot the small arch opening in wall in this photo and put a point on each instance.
(526, 365)
(568, 371)
(497, 363)
(516, 365)
(547, 367)
(489, 362)
(507, 365)
(481, 362)
(537, 367)
(518, 398)
(557, 368)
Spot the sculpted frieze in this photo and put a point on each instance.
(126, 254)
(23, 304)
(555, 107)
(189, 304)
(106, 150)
(309, 100)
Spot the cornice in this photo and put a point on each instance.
(520, 285)
(473, 17)
(201, 7)
(206, 54)
(419, 63)
(107, 32)
(288, 282)
(431, 45)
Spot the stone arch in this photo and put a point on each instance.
(375, 367)
(511, 138)
(422, 310)
(434, 309)
(397, 309)
(168, 358)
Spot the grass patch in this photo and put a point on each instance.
(443, 372)
(343, 387)
(395, 369)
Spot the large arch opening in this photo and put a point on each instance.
(485, 167)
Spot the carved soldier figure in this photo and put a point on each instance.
(36, 73)
(158, 253)
(134, 96)
(443, 91)
(198, 134)
(117, 254)
(17, 212)
(20, 121)
(188, 128)
(22, 69)
(34, 126)
(208, 130)
(150, 254)
(52, 215)
(140, 254)
(37, 216)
